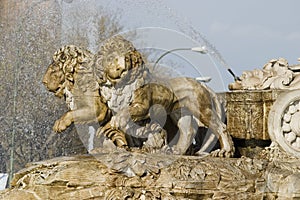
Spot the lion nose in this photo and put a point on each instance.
(121, 69)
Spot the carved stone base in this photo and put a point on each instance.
(133, 175)
(247, 113)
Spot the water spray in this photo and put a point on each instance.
(201, 50)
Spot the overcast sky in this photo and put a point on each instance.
(246, 34)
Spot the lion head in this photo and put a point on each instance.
(118, 62)
(71, 67)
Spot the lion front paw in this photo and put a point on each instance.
(222, 153)
(120, 120)
(63, 123)
(176, 150)
(59, 126)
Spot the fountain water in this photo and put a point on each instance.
(30, 39)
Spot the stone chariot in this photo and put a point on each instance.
(265, 104)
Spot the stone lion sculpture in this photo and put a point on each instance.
(126, 85)
(71, 75)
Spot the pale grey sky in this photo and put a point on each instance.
(246, 34)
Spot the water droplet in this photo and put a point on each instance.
(68, 1)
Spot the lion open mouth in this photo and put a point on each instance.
(119, 77)
(123, 74)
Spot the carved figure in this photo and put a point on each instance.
(120, 70)
(125, 83)
(71, 75)
(276, 74)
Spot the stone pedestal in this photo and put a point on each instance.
(132, 175)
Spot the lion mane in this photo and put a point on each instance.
(77, 66)
(119, 46)
(134, 76)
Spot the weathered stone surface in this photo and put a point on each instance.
(283, 122)
(133, 175)
(247, 113)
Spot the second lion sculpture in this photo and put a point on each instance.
(126, 85)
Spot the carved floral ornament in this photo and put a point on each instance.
(291, 126)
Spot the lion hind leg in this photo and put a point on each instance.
(209, 143)
(187, 129)
(219, 129)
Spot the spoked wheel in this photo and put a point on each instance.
(284, 122)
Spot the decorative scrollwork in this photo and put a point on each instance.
(284, 122)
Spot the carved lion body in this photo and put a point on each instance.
(187, 102)
(125, 76)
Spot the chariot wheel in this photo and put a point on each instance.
(284, 122)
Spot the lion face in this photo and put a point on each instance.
(54, 79)
(116, 68)
(123, 68)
